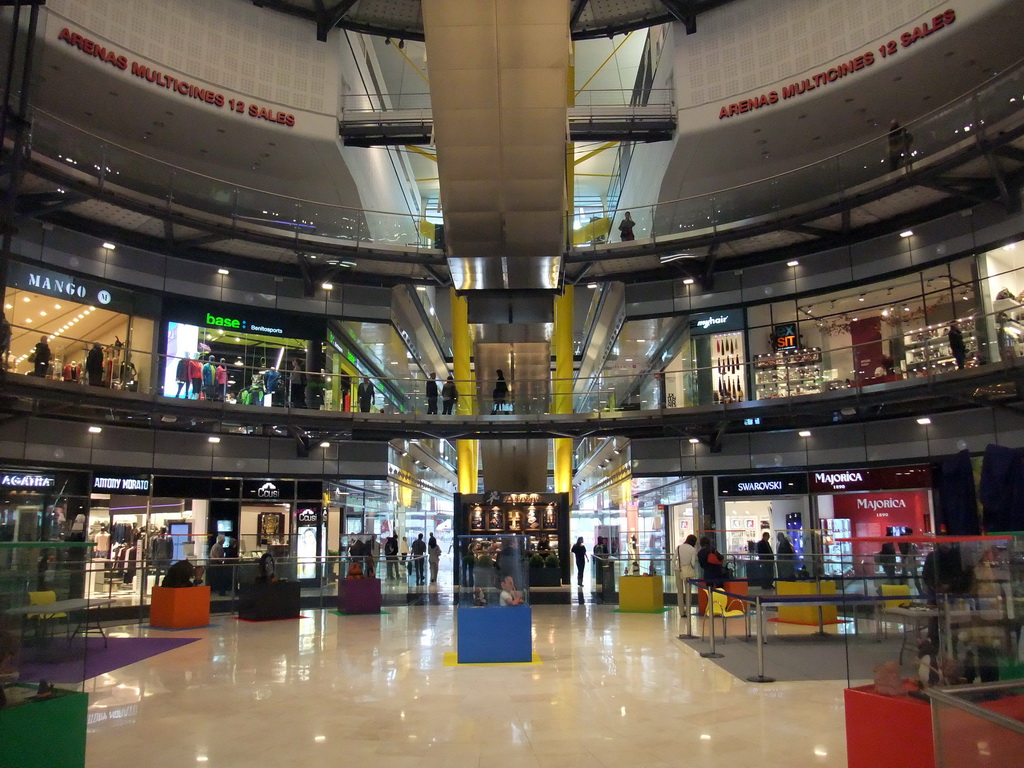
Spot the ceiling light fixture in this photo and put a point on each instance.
(327, 286)
(223, 271)
(793, 263)
(213, 439)
(694, 440)
(95, 430)
(907, 233)
(688, 281)
(109, 246)
(804, 433)
(325, 444)
(924, 420)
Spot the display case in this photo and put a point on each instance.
(788, 373)
(927, 348)
(540, 518)
(494, 623)
(728, 367)
(45, 617)
(978, 725)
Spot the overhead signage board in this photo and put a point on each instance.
(27, 481)
(717, 322)
(115, 484)
(68, 287)
(793, 483)
(874, 479)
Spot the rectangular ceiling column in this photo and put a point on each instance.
(498, 70)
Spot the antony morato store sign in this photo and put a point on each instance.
(120, 484)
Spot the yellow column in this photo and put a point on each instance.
(561, 387)
(466, 450)
(561, 390)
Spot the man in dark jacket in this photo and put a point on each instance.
(94, 365)
(365, 394)
(432, 394)
(42, 357)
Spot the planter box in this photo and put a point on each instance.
(545, 577)
(359, 596)
(182, 608)
(265, 602)
(495, 634)
(47, 733)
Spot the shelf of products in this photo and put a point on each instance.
(727, 362)
(789, 373)
(927, 349)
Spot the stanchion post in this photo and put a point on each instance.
(712, 654)
(687, 597)
(760, 676)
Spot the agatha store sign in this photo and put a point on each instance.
(844, 69)
(181, 88)
(27, 481)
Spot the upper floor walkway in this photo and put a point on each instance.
(965, 151)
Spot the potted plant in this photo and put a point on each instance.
(545, 570)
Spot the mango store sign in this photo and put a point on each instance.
(182, 88)
(856, 64)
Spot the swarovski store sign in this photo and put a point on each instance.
(791, 484)
(62, 286)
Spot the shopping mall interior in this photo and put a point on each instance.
(369, 313)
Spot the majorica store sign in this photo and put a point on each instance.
(62, 286)
(875, 479)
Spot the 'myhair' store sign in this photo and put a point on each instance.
(763, 485)
(61, 286)
(717, 322)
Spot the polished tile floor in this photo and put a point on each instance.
(612, 690)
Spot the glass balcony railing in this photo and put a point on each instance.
(989, 108)
(729, 382)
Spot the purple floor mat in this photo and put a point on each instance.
(80, 663)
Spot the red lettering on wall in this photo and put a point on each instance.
(172, 84)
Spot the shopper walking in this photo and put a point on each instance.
(686, 569)
(433, 557)
(956, 345)
(391, 555)
(786, 556)
(403, 552)
(94, 365)
(419, 552)
(449, 394)
(432, 394)
(41, 357)
(500, 393)
(579, 549)
(297, 385)
(365, 394)
(626, 227)
(899, 145)
(766, 556)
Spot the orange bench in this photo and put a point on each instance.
(180, 608)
